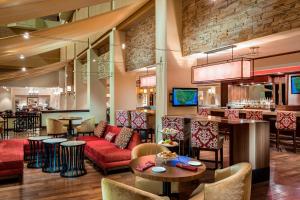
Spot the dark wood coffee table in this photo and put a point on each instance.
(172, 174)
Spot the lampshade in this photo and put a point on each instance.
(236, 69)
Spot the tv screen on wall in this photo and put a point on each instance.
(295, 84)
(185, 97)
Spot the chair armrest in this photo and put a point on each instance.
(220, 174)
(117, 191)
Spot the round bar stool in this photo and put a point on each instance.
(36, 151)
(51, 161)
(73, 159)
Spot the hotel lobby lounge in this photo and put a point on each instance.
(150, 99)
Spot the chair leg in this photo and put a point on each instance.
(222, 158)
(294, 142)
(216, 158)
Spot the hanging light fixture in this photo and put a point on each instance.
(232, 69)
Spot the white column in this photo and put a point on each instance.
(96, 89)
(161, 57)
(112, 76)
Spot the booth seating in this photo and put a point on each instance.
(11, 159)
(105, 154)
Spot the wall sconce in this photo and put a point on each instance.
(69, 90)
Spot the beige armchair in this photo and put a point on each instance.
(151, 186)
(232, 183)
(112, 190)
(55, 127)
(86, 126)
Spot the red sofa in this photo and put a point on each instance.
(105, 154)
(11, 158)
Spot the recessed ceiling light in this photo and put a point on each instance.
(22, 56)
(26, 35)
(123, 46)
(23, 69)
(94, 60)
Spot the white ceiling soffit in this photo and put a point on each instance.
(53, 38)
(33, 72)
(19, 10)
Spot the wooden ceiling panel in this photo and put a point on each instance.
(19, 10)
(57, 37)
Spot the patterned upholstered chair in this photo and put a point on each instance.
(176, 123)
(203, 112)
(55, 128)
(123, 118)
(155, 187)
(233, 182)
(86, 127)
(141, 122)
(286, 122)
(254, 114)
(232, 114)
(205, 136)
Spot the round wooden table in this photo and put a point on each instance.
(70, 126)
(172, 174)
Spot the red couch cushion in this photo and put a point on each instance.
(107, 152)
(88, 138)
(11, 154)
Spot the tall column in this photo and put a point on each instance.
(112, 75)
(96, 88)
(69, 74)
(80, 85)
(161, 57)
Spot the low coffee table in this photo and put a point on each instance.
(52, 161)
(36, 151)
(73, 159)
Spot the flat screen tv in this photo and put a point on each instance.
(295, 84)
(185, 97)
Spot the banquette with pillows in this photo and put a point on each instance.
(110, 146)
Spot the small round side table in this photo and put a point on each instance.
(52, 162)
(73, 159)
(36, 151)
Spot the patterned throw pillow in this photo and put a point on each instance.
(99, 130)
(123, 138)
(110, 136)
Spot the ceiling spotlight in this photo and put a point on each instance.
(94, 60)
(22, 56)
(123, 46)
(23, 69)
(26, 35)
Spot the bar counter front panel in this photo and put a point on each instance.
(249, 142)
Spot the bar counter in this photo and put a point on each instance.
(243, 111)
(249, 142)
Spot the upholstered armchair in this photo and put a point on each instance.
(55, 127)
(112, 190)
(86, 126)
(151, 186)
(231, 183)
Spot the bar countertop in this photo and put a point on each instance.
(243, 110)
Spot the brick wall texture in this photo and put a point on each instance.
(140, 44)
(211, 24)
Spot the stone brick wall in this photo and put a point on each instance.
(103, 62)
(140, 44)
(208, 25)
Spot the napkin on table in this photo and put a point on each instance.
(145, 166)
